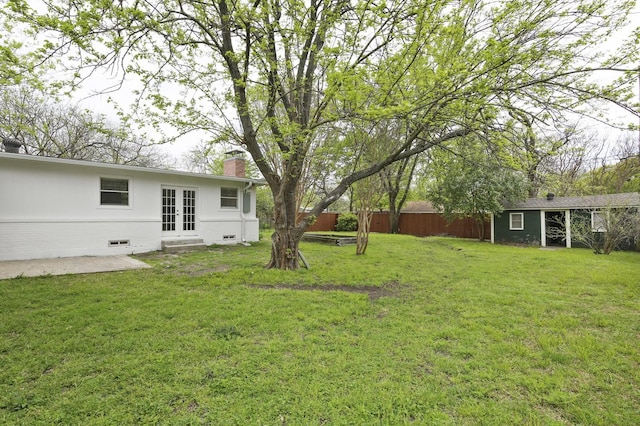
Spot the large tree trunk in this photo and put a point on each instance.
(284, 250)
(286, 238)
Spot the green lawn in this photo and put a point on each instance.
(418, 331)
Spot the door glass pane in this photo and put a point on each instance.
(168, 209)
(189, 210)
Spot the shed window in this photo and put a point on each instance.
(516, 221)
(598, 221)
(229, 197)
(114, 192)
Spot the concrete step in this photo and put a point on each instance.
(192, 244)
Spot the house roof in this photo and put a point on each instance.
(584, 202)
(418, 207)
(121, 167)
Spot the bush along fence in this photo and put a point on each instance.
(418, 224)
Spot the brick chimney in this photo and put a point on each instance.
(11, 145)
(234, 164)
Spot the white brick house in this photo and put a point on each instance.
(52, 207)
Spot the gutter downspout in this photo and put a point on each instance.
(493, 227)
(567, 227)
(543, 228)
(242, 217)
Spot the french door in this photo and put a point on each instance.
(178, 211)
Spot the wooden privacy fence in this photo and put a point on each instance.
(325, 222)
(418, 224)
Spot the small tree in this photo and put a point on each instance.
(368, 193)
(397, 180)
(606, 230)
(372, 142)
(468, 180)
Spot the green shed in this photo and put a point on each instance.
(547, 221)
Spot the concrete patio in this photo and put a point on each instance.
(68, 265)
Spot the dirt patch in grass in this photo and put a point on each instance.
(183, 264)
(161, 255)
(389, 289)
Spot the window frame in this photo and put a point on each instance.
(598, 215)
(511, 225)
(102, 191)
(228, 197)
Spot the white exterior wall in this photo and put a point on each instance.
(51, 208)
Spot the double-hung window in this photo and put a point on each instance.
(516, 221)
(114, 192)
(229, 197)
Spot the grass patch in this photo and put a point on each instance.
(456, 332)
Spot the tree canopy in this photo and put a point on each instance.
(271, 74)
(53, 129)
(469, 180)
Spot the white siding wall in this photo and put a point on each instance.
(50, 209)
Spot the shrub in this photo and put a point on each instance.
(603, 230)
(347, 222)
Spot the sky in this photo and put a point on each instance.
(99, 103)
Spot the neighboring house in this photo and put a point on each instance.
(419, 207)
(534, 220)
(52, 207)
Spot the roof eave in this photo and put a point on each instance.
(124, 167)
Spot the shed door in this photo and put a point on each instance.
(555, 229)
(178, 211)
